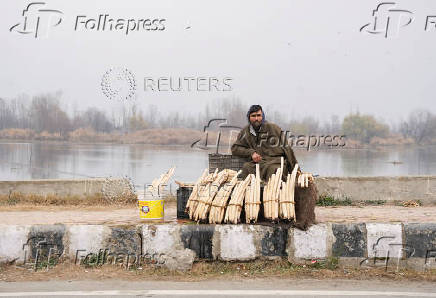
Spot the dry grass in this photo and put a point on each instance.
(170, 136)
(393, 140)
(19, 199)
(211, 270)
(17, 134)
(88, 135)
(152, 136)
(46, 136)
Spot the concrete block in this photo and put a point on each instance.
(12, 239)
(349, 240)
(42, 238)
(420, 245)
(178, 260)
(124, 241)
(421, 237)
(59, 187)
(274, 241)
(87, 238)
(160, 238)
(396, 188)
(384, 240)
(199, 239)
(310, 244)
(236, 242)
(163, 244)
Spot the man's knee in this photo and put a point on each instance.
(247, 168)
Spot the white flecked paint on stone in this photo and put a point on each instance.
(384, 239)
(160, 238)
(311, 243)
(89, 238)
(237, 242)
(163, 244)
(12, 239)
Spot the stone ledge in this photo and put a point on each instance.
(176, 247)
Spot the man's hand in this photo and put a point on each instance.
(256, 157)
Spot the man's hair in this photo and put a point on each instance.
(254, 108)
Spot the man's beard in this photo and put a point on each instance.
(256, 124)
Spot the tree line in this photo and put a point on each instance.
(45, 114)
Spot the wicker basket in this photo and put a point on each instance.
(225, 161)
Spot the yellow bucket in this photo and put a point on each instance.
(151, 207)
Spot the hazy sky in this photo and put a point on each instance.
(304, 57)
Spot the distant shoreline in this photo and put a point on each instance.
(211, 149)
(178, 137)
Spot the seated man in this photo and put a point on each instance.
(264, 143)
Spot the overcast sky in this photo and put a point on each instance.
(304, 57)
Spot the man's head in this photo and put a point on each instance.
(255, 116)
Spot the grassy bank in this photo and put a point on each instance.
(155, 136)
(17, 198)
(168, 137)
(280, 268)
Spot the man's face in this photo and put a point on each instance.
(256, 119)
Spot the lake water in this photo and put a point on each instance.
(143, 163)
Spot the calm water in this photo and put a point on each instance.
(22, 161)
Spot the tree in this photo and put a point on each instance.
(420, 126)
(363, 127)
(306, 126)
(137, 122)
(47, 115)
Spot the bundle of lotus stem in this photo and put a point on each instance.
(271, 194)
(191, 205)
(207, 194)
(219, 196)
(219, 203)
(287, 194)
(234, 208)
(157, 186)
(252, 197)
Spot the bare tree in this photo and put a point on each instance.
(420, 126)
(47, 115)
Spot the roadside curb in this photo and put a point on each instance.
(388, 245)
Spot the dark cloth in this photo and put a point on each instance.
(269, 142)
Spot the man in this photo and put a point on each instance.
(264, 143)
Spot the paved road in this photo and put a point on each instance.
(220, 288)
(14, 215)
